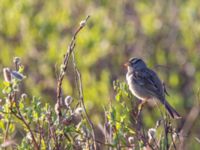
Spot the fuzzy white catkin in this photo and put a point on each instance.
(68, 100)
(17, 60)
(152, 133)
(78, 111)
(131, 140)
(24, 96)
(82, 23)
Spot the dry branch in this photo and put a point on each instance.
(64, 67)
(78, 77)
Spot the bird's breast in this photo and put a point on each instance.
(136, 88)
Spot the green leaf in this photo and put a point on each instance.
(6, 84)
(11, 128)
(21, 69)
(7, 90)
(21, 106)
(2, 127)
(118, 96)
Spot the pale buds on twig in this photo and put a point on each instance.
(62, 68)
(28, 136)
(57, 109)
(82, 23)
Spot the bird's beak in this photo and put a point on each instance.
(126, 64)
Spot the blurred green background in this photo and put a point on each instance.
(166, 34)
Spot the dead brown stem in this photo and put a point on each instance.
(64, 66)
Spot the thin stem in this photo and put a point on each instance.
(21, 118)
(18, 115)
(64, 69)
(84, 108)
(7, 128)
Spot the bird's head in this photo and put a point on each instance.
(135, 63)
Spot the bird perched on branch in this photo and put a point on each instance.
(146, 85)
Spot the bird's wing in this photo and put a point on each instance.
(165, 90)
(149, 80)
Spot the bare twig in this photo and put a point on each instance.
(80, 89)
(7, 129)
(64, 66)
(21, 118)
(78, 77)
(12, 98)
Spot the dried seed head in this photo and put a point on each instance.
(78, 111)
(152, 133)
(7, 74)
(17, 60)
(76, 116)
(24, 96)
(28, 136)
(68, 100)
(67, 121)
(15, 87)
(131, 140)
(82, 23)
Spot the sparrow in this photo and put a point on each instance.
(145, 84)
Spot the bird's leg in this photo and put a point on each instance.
(138, 117)
(140, 106)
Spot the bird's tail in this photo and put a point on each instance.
(173, 113)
